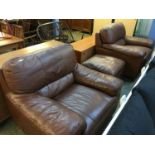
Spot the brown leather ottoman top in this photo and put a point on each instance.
(105, 64)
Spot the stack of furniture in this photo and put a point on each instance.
(20, 29)
(49, 93)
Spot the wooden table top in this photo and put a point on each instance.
(7, 39)
(84, 44)
(21, 52)
(78, 45)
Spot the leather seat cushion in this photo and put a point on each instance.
(40, 115)
(91, 104)
(105, 64)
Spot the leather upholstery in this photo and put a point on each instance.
(112, 41)
(112, 33)
(47, 93)
(19, 72)
(139, 41)
(46, 115)
(92, 106)
(56, 87)
(106, 83)
(105, 64)
(136, 51)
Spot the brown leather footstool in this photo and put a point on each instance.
(106, 64)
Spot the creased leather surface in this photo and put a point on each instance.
(112, 33)
(106, 83)
(139, 41)
(136, 51)
(105, 64)
(32, 72)
(47, 115)
(89, 103)
(56, 87)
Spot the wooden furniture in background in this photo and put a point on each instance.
(21, 52)
(18, 31)
(9, 42)
(4, 27)
(84, 25)
(84, 48)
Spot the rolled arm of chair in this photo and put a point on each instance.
(139, 41)
(125, 50)
(45, 115)
(106, 83)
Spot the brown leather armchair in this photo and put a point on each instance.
(112, 41)
(49, 93)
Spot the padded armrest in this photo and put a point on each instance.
(106, 83)
(125, 50)
(45, 115)
(139, 41)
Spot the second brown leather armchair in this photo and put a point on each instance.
(112, 41)
(49, 93)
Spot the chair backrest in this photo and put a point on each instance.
(55, 30)
(5, 27)
(18, 31)
(26, 26)
(113, 33)
(40, 70)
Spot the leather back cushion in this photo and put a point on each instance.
(53, 89)
(112, 33)
(120, 42)
(32, 72)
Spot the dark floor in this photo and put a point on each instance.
(10, 128)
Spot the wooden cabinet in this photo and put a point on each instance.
(84, 25)
(84, 49)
